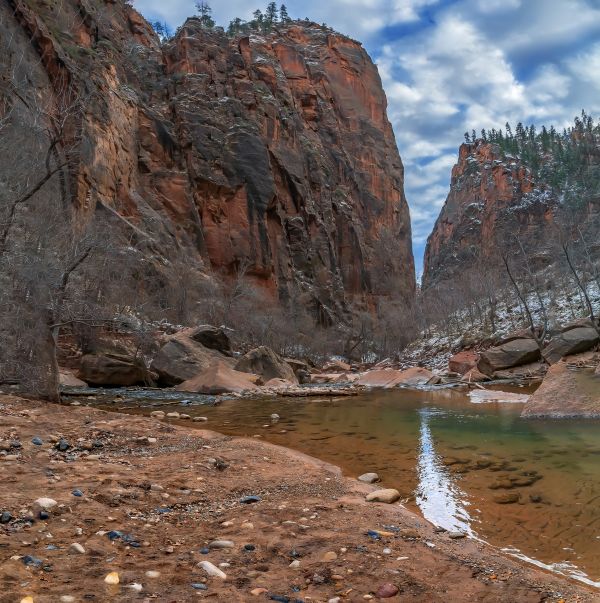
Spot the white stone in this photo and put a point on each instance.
(45, 504)
(212, 570)
(77, 548)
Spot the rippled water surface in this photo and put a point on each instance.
(530, 486)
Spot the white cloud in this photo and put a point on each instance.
(492, 6)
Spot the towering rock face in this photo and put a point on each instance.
(268, 155)
(495, 207)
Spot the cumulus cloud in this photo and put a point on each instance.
(450, 67)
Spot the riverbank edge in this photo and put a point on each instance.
(438, 546)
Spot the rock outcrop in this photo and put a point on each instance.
(496, 205)
(269, 156)
(568, 391)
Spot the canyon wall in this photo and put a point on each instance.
(269, 156)
(496, 207)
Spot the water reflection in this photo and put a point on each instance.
(438, 496)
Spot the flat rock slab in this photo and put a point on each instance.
(388, 495)
(368, 478)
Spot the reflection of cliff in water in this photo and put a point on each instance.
(438, 496)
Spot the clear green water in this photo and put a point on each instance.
(452, 460)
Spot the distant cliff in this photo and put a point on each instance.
(271, 156)
(511, 204)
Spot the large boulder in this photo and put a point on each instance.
(182, 358)
(388, 378)
(265, 362)
(512, 353)
(219, 378)
(566, 392)
(112, 370)
(573, 340)
(463, 362)
(213, 338)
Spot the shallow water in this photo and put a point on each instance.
(451, 459)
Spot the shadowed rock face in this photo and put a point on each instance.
(273, 154)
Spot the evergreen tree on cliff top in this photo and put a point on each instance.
(205, 13)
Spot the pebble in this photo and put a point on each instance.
(152, 574)
(295, 564)
(112, 578)
(388, 496)
(256, 592)
(62, 445)
(275, 417)
(200, 419)
(212, 570)
(77, 493)
(77, 548)
(368, 478)
(387, 551)
(247, 525)
(5, 517)
(136, 587)
(45, 504)
(221, 544)
(334, 600)
(27, 600)
(173, 415)
(67, 599)
(159, 414)
(246, 500)
(37, 441)
(249, 547)
(330, 556)
(10, 457)
(456, 535)
(199, 586)
(387, 591)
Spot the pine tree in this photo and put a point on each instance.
(467, 138)
(258, 18)
(284, 17)
(158, 28)
(271, 13)
(205, 13)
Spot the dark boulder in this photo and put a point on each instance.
(113, 370)
(182, 358)
(574, 340)
(213, 338)
(265, 362)
(515, 352)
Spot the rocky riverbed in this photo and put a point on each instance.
(100, 506)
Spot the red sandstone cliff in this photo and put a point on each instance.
(493, 202)
(269, 153)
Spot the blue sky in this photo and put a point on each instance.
(449, 66)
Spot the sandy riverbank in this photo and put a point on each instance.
(166, 499)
